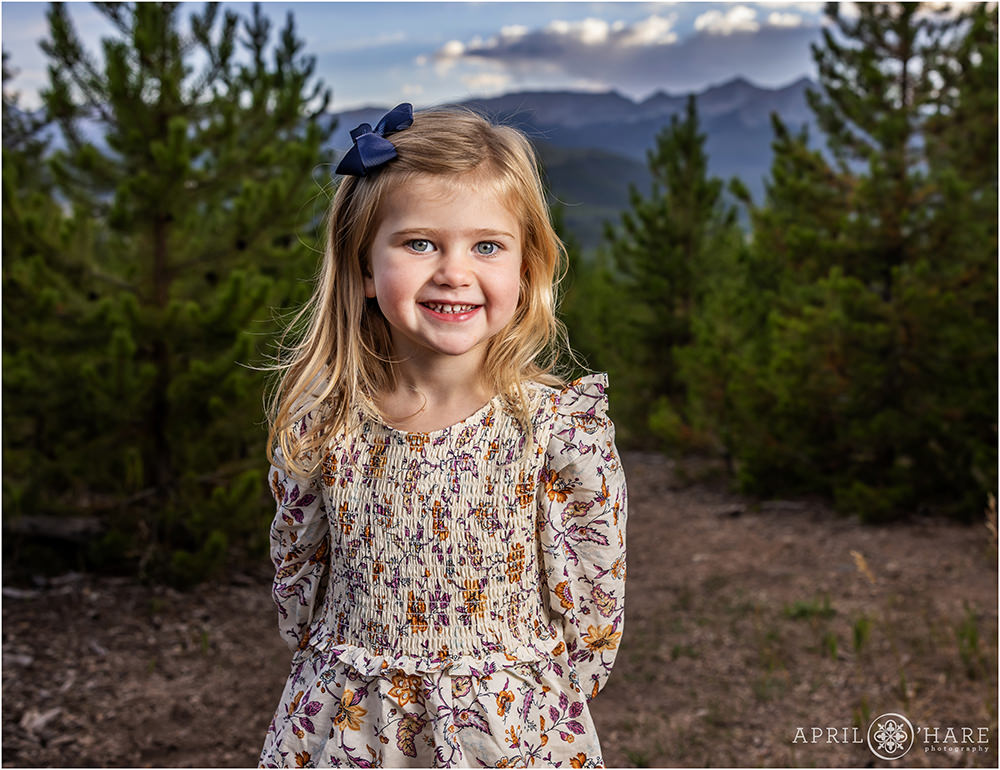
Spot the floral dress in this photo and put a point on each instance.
(453, 598)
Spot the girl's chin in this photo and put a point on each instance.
(457, 347)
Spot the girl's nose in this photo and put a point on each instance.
(452, 269)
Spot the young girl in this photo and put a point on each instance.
(450, 534)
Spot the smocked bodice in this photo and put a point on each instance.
(432, 540)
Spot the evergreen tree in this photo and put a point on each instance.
(667, 250)
(201, 183)
(584, 293)
(47, 315)
(872, 109)
(876, 377)
(947, 300)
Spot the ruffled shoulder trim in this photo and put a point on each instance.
(580, 420)
(584, 397)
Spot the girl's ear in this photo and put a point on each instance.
(368, 279)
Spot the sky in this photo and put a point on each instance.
(382, 53)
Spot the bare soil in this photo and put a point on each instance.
(746, 621)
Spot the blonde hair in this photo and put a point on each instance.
(344, 358)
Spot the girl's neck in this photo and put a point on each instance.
(429, 397)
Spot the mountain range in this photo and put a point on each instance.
(593, 145)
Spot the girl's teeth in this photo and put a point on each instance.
(448, 309)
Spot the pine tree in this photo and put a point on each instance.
(872, 109)
(948, 299)
(581, 292)
(47, 315)
(666, 250)
(876, 380)
(202, 182)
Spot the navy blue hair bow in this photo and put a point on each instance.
(371, 149)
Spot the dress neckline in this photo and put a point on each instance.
(438, 431)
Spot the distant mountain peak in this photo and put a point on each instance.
(740, 80)
(660, 95)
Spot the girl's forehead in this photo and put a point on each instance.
(447, 185)
(439, 190)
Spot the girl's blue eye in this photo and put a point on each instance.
(420, 245)
(487, 248)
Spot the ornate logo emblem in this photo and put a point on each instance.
(890, 736)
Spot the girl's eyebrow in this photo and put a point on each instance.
(477, 233)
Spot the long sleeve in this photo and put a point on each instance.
(300, 552)
(583, 502)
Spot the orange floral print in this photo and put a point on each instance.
(475, 599)
(329, 470)
(565, 597)
(602, 638)
(416, 441)
(345, 518)
(515, 563)
(277, 487)
(377, 460)
(504, 699)
(524, 491)
(416, 614)
(349, 714)
(405, 689)
(557, 488)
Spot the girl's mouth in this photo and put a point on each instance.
(447, 311)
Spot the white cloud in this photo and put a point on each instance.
(799, 6)
(513, 32)
(654, 30)
(949, 10)
(448, 56)
(593, 31)
(777, 19)
(412, 89)
(453, 49)
(739, 18)
(639, 56)
(849, 10)
(589, 31)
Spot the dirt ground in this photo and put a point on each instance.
(746, 621)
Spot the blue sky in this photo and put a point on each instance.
(381, 53)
